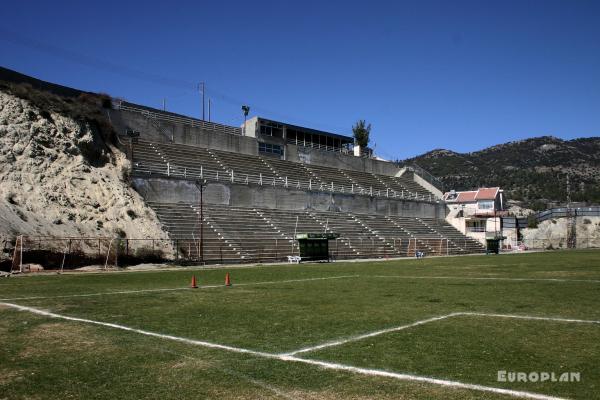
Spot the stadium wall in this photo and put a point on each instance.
(236, 195)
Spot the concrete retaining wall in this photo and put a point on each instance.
(172, 191)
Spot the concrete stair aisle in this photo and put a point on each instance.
(247, 166)
(331, 176)
(420, 238)
(182, 223)
(363, 242)
(297, 175)
(403, 190)
(394, 237)
(368, 182)
(147, 160)
(259, 240)
(465, 244)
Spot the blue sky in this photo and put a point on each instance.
(460, 75)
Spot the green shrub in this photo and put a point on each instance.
(532, 222)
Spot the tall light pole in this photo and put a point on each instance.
(202, 89)
(200, 185)
(246, 111)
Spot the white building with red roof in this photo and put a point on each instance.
(476, 213)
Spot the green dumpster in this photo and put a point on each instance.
(493, 243)
(315, 246)
(493, 246)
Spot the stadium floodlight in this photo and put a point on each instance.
(246, 111)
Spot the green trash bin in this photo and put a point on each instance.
(493, 246)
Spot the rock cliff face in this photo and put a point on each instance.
(58, 177)
(554, 233)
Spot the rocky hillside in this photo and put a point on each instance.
(60, 175)
(532, 170)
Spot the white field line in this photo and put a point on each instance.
(339, 342)
(233, 373)
(531, 317)
(367, 335)
(484, 278)
(321, 364)
(178, 288)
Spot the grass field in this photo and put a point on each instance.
(437, 328)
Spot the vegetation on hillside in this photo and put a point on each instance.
(86, 109)
(533, 171)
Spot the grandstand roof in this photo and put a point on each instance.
(343, 138)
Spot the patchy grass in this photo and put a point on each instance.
(48, 358)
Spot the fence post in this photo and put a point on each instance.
(177, 249)
(127, 247)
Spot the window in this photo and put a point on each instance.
(485, 204)
(268, 148)
(268, 128)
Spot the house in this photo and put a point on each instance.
(476, 213)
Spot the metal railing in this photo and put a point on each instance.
(583, 242)
(193, 173)
(423, 173)
(318, 146)
(563, 212)
(166, 117)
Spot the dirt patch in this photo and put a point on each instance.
(8, 376)
(55, 337)
(189, 363)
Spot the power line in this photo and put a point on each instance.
(97, 63)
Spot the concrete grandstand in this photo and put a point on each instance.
(229, 194)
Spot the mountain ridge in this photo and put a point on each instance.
(532, 171)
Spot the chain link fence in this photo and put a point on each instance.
(31, 253)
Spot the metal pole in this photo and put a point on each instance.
(201, 87)
(209, 105)
(201, 224)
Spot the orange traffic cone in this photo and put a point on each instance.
(194, 285)
(227, 279)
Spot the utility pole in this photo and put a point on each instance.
(209, 105)
(200, 185)
(571, 220)
(201, 88)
